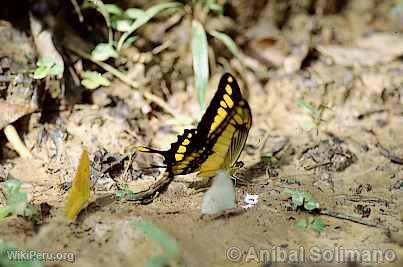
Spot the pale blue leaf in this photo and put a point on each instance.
(103, 51)
(113, 9)
(200, 60)
(141, 20)
(227, 41)
(135, 13)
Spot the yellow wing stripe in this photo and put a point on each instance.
(228, 100)
(217, 121)
(186, 142)
(222, 112)
(181, 149)
(179, 157)
(228, 89)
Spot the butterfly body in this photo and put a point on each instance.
(219, 138)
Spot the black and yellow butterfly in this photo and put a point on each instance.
(219, 138)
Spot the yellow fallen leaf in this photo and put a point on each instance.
(80, 190)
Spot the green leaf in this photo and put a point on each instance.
(213, 6)
(56, 70)
(317, 224)
(6, 211)
(217, 8)
(227, 41)
(143, 19)
(12, 192)
(169, 246)
(16, 201)
(40, 73)
(154, 10)
(46, 67)
(307, 123)
(297, 199)
(93, 79)
(301, 224)
(135, 13)
(311, 204)
(307, 106)
(301, 198)
(89, 84)
(103, 51)
(113, 9)
(31, 212)
(123, 25)
(129, 41)
(200, 60)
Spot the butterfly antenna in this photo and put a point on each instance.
(155, 167)
(150, 150)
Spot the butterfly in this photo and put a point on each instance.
(219, 138)
(80, 190)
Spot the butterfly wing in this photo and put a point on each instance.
(177, 158)
(227, 140)
(223, 129)
(219, 138)
(80, 190)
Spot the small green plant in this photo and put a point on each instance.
(315, 224)
(313, 116)
(124, 23)
(16, 201)
(301, 198)
(47, 67)
(92, 80)
(169, 245)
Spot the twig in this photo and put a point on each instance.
(16, 142)
(149, 96)
(308, 168)
(362, 198)
(128, 166)
(385, 152)
(351, 218)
